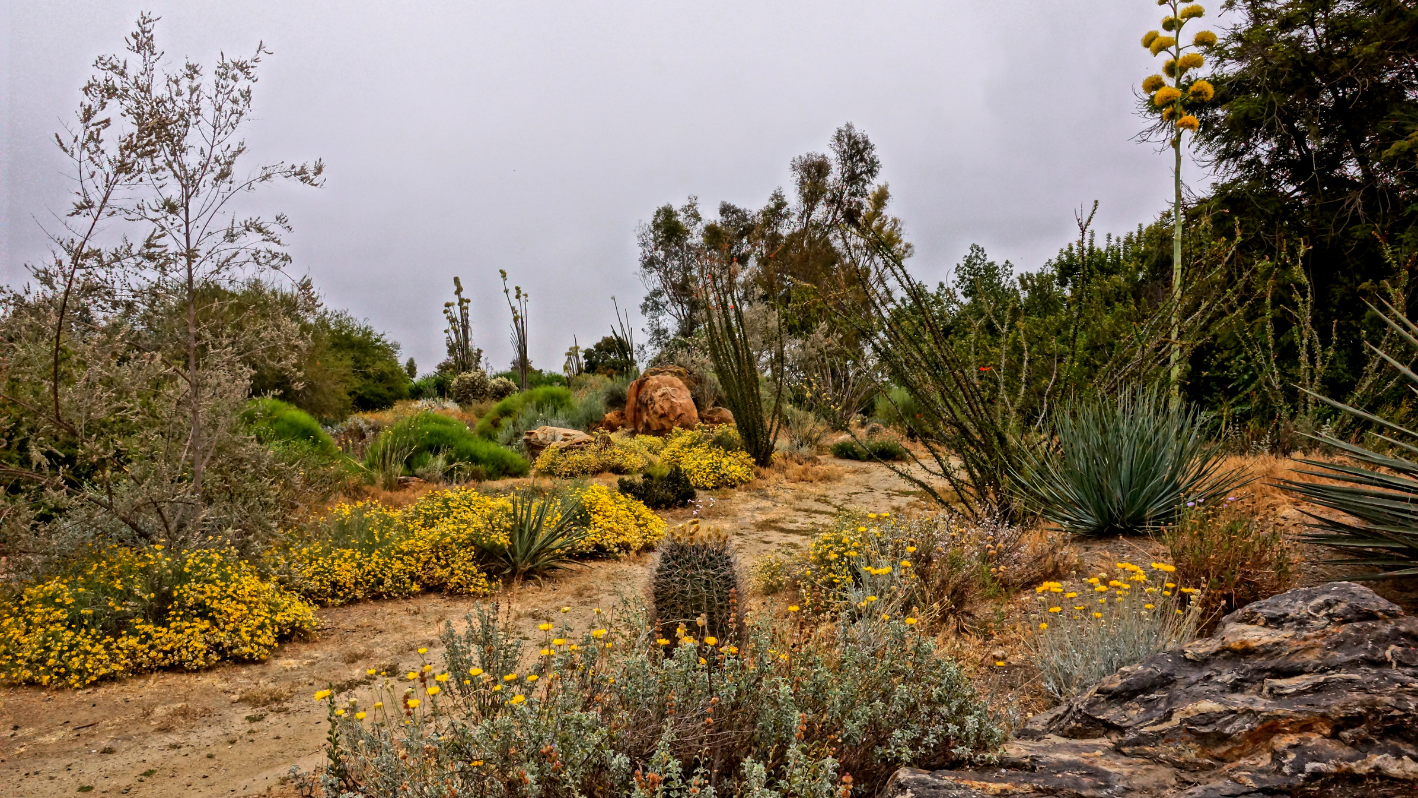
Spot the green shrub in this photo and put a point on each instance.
(613, 711)
(1125, 465)
(431, 386)
(584, 413)
(274, 421)
(869, 449)
(894, 407)
(408, 446)
(548, 399)
(470, 387)
(536, 378)
(659, 487)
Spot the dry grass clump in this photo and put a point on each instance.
(798, 469)
(1235, 554)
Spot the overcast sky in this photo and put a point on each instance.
(533, 136)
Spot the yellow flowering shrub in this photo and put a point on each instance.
(707, 464)
(616, 454)
(440, 542)
(618, 524)
(123, 611)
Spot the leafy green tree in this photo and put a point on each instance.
(671, 251)
(1312, 139)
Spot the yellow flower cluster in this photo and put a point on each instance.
(619, 524)
(618, 454)
(1131, 591)
(708, 466)
(439, 543)
(127, 611)
(378, 552)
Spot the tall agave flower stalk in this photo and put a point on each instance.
(1172, 98)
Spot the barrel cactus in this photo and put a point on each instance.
(696, 584)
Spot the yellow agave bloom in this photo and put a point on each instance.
(1191, 61)
(1153, 82)
(1191, 12)
(1204, 38)
(1204, 91)
(1161, 43)
(1187, 122)
(1150, 37)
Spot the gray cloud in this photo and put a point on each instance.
(461, 138)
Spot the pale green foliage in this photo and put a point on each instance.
(620, 714)
(1125, 465)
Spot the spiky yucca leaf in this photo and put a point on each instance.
(542, 535)
(1124, 466)
(1378, 492)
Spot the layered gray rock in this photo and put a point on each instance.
(1311, 692)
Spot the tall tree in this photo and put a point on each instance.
(671, 251)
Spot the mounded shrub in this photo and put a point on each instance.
(275, 421)
(470, 387)
(869, 449)
(548, 399)
(416, 439)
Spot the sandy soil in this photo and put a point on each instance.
(239, 729)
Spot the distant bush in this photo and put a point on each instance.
(275, 421)
(470, 387)
(536, 378)
(430, 386)
(660, 487)
(415, 439)
(869, 449)
(548, 399)
(894, 408)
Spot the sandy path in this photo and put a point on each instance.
(238, 729)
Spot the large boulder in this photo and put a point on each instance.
(1313, 692)
(539, 439)
(715, 416)
(658, 403)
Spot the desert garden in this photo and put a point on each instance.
(1139, 521)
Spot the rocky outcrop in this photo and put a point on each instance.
(539, 439)
(716, 416)
(613, 421)
(1312, 692)
(658, 403)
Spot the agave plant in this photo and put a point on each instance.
(1124, 466)
(542, 535)
(1378, 492)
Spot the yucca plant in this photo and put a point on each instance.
(1125, 465)
(1377, 492)
(542, 535)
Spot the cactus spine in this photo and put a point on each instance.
(696, 584)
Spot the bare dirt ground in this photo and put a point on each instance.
(239, 729)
